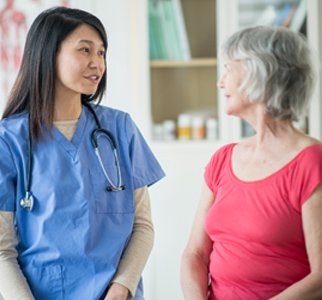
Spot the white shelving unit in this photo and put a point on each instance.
(175, 198)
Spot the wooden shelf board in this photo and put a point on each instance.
(195, 62)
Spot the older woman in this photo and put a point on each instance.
(257, 232)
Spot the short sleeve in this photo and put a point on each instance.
(7, 178)
(216, 165)
(146, 170)
(307, 175)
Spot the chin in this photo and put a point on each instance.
(89, 91)
(229, 112)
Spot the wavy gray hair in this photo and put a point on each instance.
(280, 66)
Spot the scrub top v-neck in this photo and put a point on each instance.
(70, 244)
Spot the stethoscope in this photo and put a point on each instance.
(27, 202)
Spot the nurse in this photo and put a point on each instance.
(87, 233)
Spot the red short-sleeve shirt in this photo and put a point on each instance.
(256, 227)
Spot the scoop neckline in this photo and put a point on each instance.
(271, 176)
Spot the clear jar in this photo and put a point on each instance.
(169, 129)
(211, 128)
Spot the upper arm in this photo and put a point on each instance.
(142, 208)
(199, 242)
(8, 178)
(312, 226)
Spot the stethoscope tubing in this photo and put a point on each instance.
(27, 202)
(29, 158)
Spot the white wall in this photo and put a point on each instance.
(174, 201)
(128, 65)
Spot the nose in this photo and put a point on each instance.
(220, 83)
(97, 62)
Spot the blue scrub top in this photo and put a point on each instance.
(71, 243)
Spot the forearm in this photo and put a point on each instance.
(139, 246)
(13, 285)
(195, 258)
(309, 288)
(194, 277)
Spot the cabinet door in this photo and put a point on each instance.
(180, 85)
(286, 13)
(314, 33)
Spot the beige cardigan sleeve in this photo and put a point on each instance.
(13, 285)
(140, 244)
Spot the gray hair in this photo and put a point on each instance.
(280, 68)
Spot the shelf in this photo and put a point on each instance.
(193, 63)
(186, 86)
(187, 145)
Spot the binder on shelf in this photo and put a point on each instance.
(166, 28)
(156, 27)
(299, 17)
(268, 16)
(289, 17)
(183, 37)
(171, 30)
(168, 37)
(152, 46)
(282, 14)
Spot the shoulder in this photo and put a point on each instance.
(107, 110)
(13, 134)
(309, 148)
(220, 156)
(312, 154)
(14, 125)
(224, 151)
(118, 121)
(306, 174)
(217, 166)
(112, 115)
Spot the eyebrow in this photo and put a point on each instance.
(88, 42)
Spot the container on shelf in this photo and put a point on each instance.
(211, 128)
(169, 130)
(184, 126)
(198, 127)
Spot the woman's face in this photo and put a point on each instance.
(230, 82)
(80, 63)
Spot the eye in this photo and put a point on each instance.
(84, 49)
(101, 53)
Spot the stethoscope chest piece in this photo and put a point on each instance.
(27, 202)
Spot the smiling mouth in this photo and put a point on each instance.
(93, 77)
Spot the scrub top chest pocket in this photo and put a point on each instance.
(105, 201)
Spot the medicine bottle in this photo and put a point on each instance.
(169, 129)
(184, 126)
(198, 128)
(211, 128)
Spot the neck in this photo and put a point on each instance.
(67, 109)
(269, 130)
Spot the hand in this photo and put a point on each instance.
(117, 292)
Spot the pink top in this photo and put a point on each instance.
(256, 227)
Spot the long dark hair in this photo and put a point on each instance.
(34, 88)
